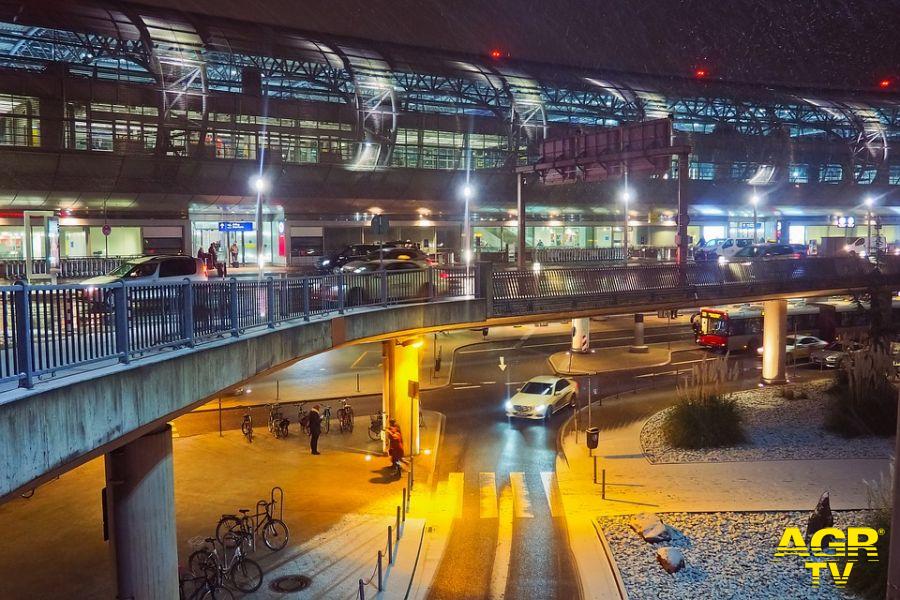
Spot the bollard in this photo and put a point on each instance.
(404, 505)
(390, 546)
(357, 382)
(603, 486)
(362, 589)
(379, 570)
(398, 523)
(595, 467)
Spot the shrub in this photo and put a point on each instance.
(864, 401)
(704, 415)
(869, 579)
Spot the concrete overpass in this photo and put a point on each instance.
(161, 350)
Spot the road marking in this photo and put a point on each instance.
(456, 483)
(551, 490)
(487, 485)
(521, 503)
(356, 362)
(488, 382)
(465, 387)
(503, 551)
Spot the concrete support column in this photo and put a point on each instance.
(140, 494)
(639, 346)
(400, 392)
(581, 335)
(774, 341)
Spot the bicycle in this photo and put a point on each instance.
(278, 424)
(247, 426)
(303, 419)
(275, 532)
(376, 425)
(205, 585)
(326, 419)
(244, 573)
(345, 417)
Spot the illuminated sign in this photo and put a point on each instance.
(843, 222)
(235, 225)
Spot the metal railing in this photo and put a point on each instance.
(52, 329)
(69, 268)
(394, 534)
(550, 256)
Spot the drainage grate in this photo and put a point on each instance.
(290, 583)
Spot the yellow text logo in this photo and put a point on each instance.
(830, 546)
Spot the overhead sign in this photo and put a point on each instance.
(235, 225)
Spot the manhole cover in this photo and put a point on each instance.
(290, 583)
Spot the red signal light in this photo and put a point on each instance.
(884, 84)
(700, 73)
(496, 53)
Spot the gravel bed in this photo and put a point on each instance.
(776, 428)
(727, 556)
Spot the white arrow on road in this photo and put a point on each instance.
(502, 363)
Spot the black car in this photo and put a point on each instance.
(336, 260)
(768, 252)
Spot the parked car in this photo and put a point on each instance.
(541, 397)
(404, 254)
(721, 247)
(403, 280)
(355, 252)
(145, 269)
(834, 354)
(768, 252)
(799, 346)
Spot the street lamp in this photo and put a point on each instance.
(261, 186)
(754, 200)
(467, 228)
(626, 196)
(869, 202)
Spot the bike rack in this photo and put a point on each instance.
(277, 491)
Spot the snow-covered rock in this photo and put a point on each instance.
(671, 559)
(650, 527)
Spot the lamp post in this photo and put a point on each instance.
(754, 200)
(467, 228)
(626, 196)
(260, 185)
(869, 201)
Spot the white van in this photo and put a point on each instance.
(721, 248)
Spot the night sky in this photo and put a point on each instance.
(834, 43)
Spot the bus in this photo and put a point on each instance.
(740, 326)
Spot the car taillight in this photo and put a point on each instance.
(444, 275)
(796, 255)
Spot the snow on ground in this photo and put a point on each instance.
(727, 556)
(776, 428)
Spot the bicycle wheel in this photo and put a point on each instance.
(246, 575)
(218, 593)
(284, 428)
(326, 424)
(349, 418)
(228, 524)
(275, 534)
(374, 434)
(246, 428)
(201, 563)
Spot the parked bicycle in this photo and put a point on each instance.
(274, 530)
(345, 417)
(203, 585)
(326, 418)
(303, 418)
(376, 425)
(278, 423)
(247, 425)
(242, 572)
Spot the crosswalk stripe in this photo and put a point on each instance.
(521, 502)
(503, 551)
(487, 485)
(551, 491)
(456, 486)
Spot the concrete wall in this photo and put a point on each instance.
(62, 423)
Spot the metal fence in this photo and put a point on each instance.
(50, 329)
(69, 268)
(549, 256)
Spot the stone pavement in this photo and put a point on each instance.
(337, 505)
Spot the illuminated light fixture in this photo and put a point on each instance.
(885, 83)
(259, 184)
(467, 191)
(701, 73)
(536, 267)
(754, 199)
(496, 53)
(869, 201)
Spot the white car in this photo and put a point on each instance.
(800, 346)
(542, 396)
(721, 248)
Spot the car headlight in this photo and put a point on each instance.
(326, 262)
(759, 350)
(508, 405)
(722, 260)
(540, 408)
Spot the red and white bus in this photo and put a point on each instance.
(740, 326)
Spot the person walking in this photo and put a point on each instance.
(315, 428)
(395, 445)
(233, 250)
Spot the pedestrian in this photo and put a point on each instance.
(233, 250)
(315, 428)
(395, 445)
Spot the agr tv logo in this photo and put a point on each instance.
(831, 546)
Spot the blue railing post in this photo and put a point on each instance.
(187, 313)
(233, 307)
(305, 290)
(270, 301)
(341, 292)
(384, 288)
(120, 306)
(24, 347)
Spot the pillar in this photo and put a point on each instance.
(400, 392)
(520, 226)
(639, 346)
(774, 342)
(140, 498)
(581, 335)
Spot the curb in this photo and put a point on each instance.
(579, 373)
(611, 560)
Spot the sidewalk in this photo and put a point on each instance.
(337, 506)
(356, 370)
(633, 485)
